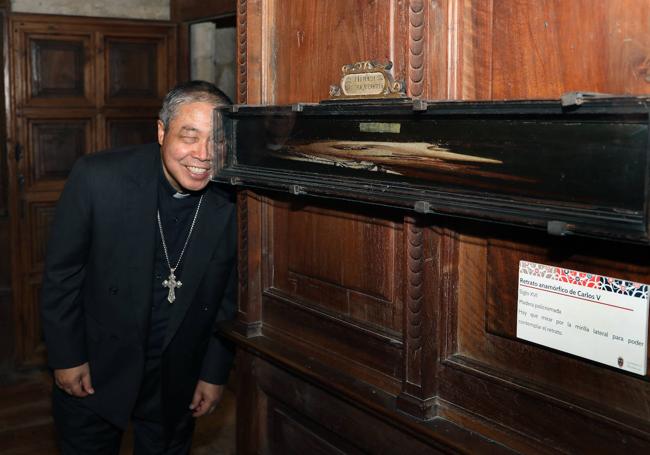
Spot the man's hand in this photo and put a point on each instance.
(75, 381)
(206, 397)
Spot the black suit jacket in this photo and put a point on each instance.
(97, 286)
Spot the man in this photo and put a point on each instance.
(140, 266)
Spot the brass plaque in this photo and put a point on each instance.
(369, 79)
(363, 84)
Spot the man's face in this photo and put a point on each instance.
(186, 147)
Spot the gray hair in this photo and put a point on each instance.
(190, 92)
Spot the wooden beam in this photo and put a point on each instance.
(195, 10)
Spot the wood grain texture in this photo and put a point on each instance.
(57, 69)
(318, 38)
(52, 147)
(130, 131)
(415, 314)
(542, 49)
(489, 269)
(444, 363)
(127, 54)
(425, 288)
(345, 262)
(50, 54)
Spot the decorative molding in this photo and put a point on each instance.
(414, 301)
(454, 52)
(416, 47)
(266, 71)
(242, 85)
(417, 397)
(242, 223)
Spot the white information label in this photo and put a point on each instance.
(599, 318)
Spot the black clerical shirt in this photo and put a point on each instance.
(176, 214)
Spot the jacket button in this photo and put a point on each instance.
(113, 290)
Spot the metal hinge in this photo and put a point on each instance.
(559, 228)
(577, 98)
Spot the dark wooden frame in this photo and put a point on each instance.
(185, 13)
(580, 209)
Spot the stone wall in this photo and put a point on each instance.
(131, 9)
(213, 55)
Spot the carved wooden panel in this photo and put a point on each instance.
(134, 71)
(31, 345)
(344, 262)
(333, 284)
(59, 69)
(605, 51)
(487, 313)
(41, 215)
(285, 411)
(301, 418)
(54, 145)
(303, 71)
(130, 131)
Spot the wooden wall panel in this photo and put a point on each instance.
(434, 335)
(144, 87)
(130, 131)
(318, 38)
(338, 269)
(487, 313)
(362, 284)
(523, 49)
(48, 54)
(70, 85)
(53, 146)
(323, 423)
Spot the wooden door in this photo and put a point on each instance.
(78, 86)
(368, 330)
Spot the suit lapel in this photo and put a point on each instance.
(141, 201)
(208, 232)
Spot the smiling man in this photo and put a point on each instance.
(140, 267)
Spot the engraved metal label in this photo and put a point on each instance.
(376, 127)
(368, 79)
(363, 84)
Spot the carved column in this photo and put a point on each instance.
(420, 322)
(416, 48)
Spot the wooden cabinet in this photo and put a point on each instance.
(78, 85)
(366, 329)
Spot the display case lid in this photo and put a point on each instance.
(578, 165)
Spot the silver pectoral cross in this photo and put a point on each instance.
(172, 283)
